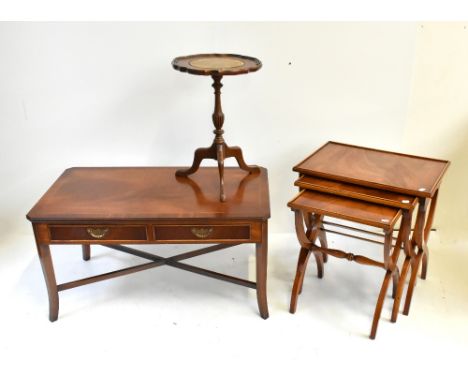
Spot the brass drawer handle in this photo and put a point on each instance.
(202, 233)
(97, 233)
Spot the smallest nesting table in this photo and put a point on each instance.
(149, 205)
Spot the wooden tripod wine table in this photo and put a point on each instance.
(217, 66)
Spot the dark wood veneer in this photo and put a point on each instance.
(113, 232)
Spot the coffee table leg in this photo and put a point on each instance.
(86, 248)
(427, 231)
(261, 268)
(49, 276)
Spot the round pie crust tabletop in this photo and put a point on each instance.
(214, 63)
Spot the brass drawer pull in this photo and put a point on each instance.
(202, 233)
(97, 233)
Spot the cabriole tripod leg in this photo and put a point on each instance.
(200, 154)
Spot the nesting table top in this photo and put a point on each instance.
(407, 174)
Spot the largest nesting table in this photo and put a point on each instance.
(149, 205)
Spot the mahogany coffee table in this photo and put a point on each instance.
(148, 205)
(217, 66)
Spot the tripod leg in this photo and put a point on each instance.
(236, 152)
(200, 154)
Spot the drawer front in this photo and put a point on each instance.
(97, 233)
(194, 233)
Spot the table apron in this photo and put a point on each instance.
(149, 233)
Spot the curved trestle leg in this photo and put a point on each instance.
(304, 255)
(414, 274)
(379, 306)
(399, 292)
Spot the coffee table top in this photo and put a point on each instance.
(214, 63)
(151, 193)
(380, 169)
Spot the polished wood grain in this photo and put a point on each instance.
(216, 63)
(385, 170)
(150, 205)
(354, 191)
(345, 208)
(149, 193)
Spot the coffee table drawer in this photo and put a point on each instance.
(97, 232)
(203, 232)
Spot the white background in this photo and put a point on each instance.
(84, 94)
(105, 94)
